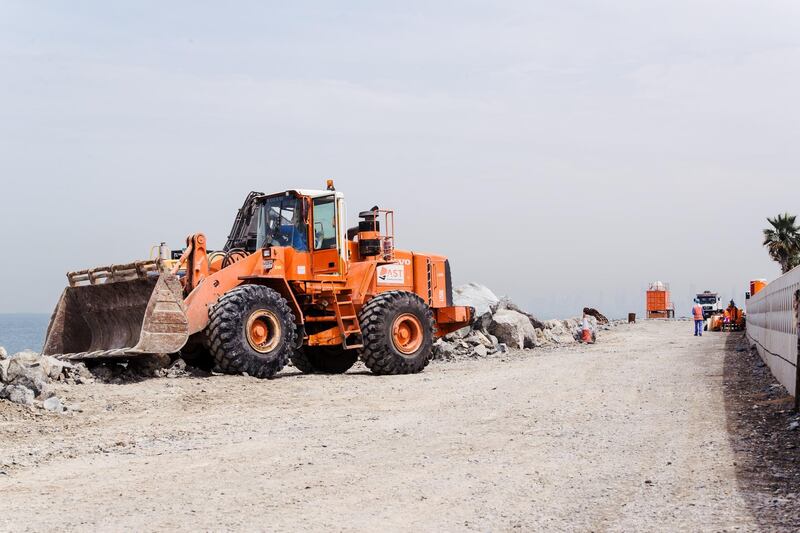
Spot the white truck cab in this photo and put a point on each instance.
(710, 301)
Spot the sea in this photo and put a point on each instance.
(23, 331)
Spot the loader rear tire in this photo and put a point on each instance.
(251, 330)
(301, 360)
(324, 359)
(398, 330)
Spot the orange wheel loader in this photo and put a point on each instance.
(292, 282)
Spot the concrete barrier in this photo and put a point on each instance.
(772, 326)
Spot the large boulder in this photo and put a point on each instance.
(20, 370)
(513, 329)
(27, 357)
(475, 295)
(52, 367)
(560, 331)
(18, 394)
(505, 303)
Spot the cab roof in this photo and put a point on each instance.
(316, 193)
(311, 193)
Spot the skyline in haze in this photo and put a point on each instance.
(563, 154)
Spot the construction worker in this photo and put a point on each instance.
(295, 234)
(697, 313)
(586, 329)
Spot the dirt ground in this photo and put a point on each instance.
(629, 434)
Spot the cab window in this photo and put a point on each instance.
(280, 223)
(325, 223)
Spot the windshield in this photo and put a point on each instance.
(280, 223)
(707, 299)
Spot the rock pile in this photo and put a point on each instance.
(500, 324)
(601, 318)
(139, 369)
(26, 378)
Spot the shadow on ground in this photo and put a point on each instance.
(764, 437)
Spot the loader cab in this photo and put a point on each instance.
(282, 222)
(308, 221)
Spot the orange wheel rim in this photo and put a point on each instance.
(407, 333)
(263, 331)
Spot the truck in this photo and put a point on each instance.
(710, 301)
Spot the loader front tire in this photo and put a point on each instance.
(398, 330)
(324, 359)
(251, 330)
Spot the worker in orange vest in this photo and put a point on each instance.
(587, 333)
(697, 313)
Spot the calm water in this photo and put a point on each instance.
(23, 331)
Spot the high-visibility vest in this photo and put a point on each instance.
(697, 311)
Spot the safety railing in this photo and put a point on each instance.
(772, 327)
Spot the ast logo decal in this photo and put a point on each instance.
(391, 275)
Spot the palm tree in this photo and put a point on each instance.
(783, 241)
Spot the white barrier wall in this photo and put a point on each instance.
(772, 327)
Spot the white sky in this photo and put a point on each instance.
(563, 153)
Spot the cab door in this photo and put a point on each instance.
(325, 244)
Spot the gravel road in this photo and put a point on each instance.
(628, 434)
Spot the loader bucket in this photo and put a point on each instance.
(118, 317)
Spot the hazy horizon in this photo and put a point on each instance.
(563, 154)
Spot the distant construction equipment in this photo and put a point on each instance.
(659, 302)
(732, 318)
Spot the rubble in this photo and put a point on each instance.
(500, 324)
(26, 377)
(175, 370)
(156, 366)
